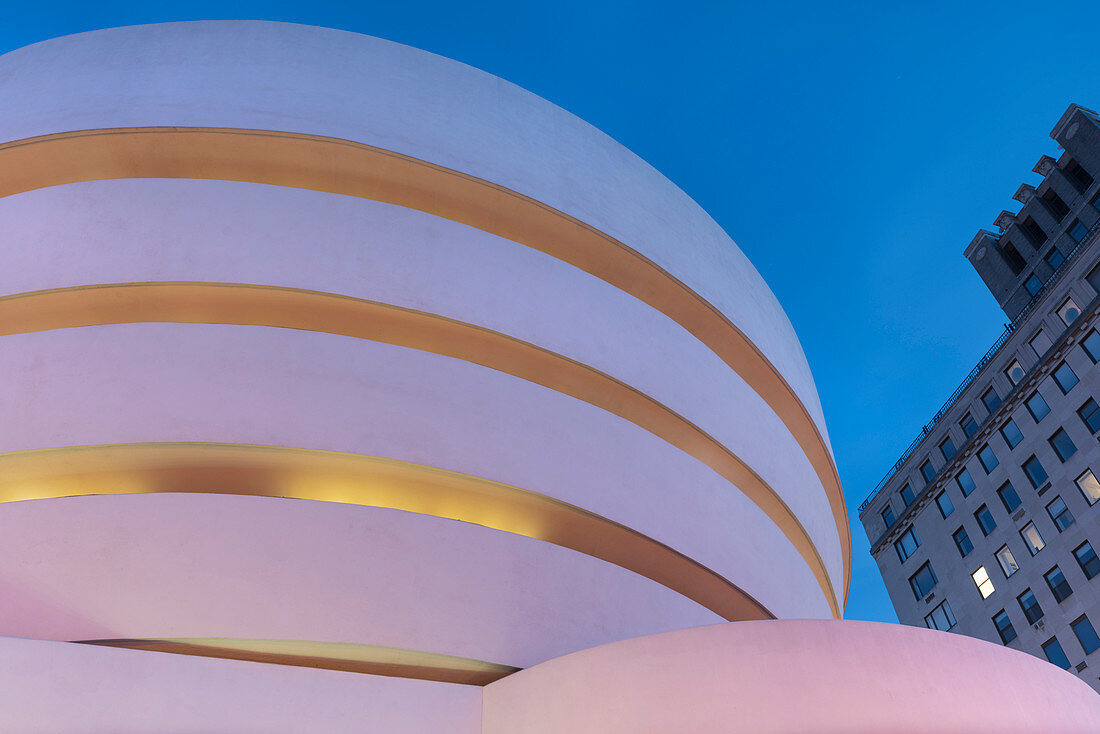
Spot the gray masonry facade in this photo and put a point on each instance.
(989, 524)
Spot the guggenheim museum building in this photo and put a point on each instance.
(347, 388)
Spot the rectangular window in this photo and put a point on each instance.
(987, 458)
(1033, 285)
(907, 495)
(945, 504)
(1037, 407)
(1055, 654)
(1010, 432)
(983, 582)
(927, 471)
(1068, 312)
(1007, 561)
(907, 545)
(888, 516)
(1032, 611)
(1077, 231)
(962, 542)
(1016, 262)
(922, 581)
(1055, 205)
(965, 482)
(1090, 488)
(969, 425)
(947, 449)
(1062, 444)
(1032, 539)
(1035, 472)
(1060, 514)
(1056, 580)
(1034, 233)
(1009, 498)
(1091, 345)
(1004, 627)
(1065, 377)
(991, 399)
(1040, 343)
(1086, 635)
(941, 618)
(1014, 372)
(1090, 415)
(985, 520)
(1087, 560)
(1077, 175)
(1054, 258)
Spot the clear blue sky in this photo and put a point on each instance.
(851, 152)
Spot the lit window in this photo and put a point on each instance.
(985, 520)
(1060, 514)
(1087, 560)
(1007, 561)
(1090, 415)
(927, 471)
(922, 581)
(907, 495)
(1054, 258)
(987, 458)
(1010, 432)
(1069, 311)
(941, 618)
(1056, 580)
(1032, 539)
(945, 504)
(1014, 372)
(1035, 472)
(1033, 284)
(1037, 407)
(1040, 343)
(1091, 345)
(1009, 498)
(1032, 611)
(947, 448)
(962, 542)
(1004, 627)
(1086, 635)
(983, 582)
(1055, 654)
(965, 482)
(1062, 444)
(1065, 377)
(907, 545)
(1089, 487)
(1077, 231)
(969, 426)
(991, 399)
(888, 516)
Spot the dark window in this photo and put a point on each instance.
(985, 520)
(1091, 345)
(991, 400)
(947, 448)
(1004, 627)
(1055, 654)
(1037, 407)
(907, 495)
(1013, 258)
(1034, 233)
(907, 545)
(922, 581)
(1008, 496)
(1086, 635)
(945, 504)
(1058, 584)
(965, 482)
(969, 426)
(1065, 377)
(1087, 560)
(962, 542)
(1090, 415)
(927, 471)
(1033, 284)
(941, 618)
(888, 516)
(1031, 607)
(1055, 205)
(1077, 175)
(1077, 231)
(1096, 201)
(987, 458)
(1062, 444)
(1036, 474)
(1060, 514)
(1010, 432)
(1055, 258)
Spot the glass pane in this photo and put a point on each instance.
(1011, 434)
(1055, 653)
(965, 482)
(1089, 487)
(1086, 635)
(1065, 377)
(1037, 407)
(946, 506)
(1031, 537)
(1007, 561)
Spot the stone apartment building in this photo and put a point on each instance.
(989, 524)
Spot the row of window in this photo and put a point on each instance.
(1052, 648)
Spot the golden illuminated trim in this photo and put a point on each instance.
(329, 476)
(344, 656)
(229, 303)
(355, 169)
